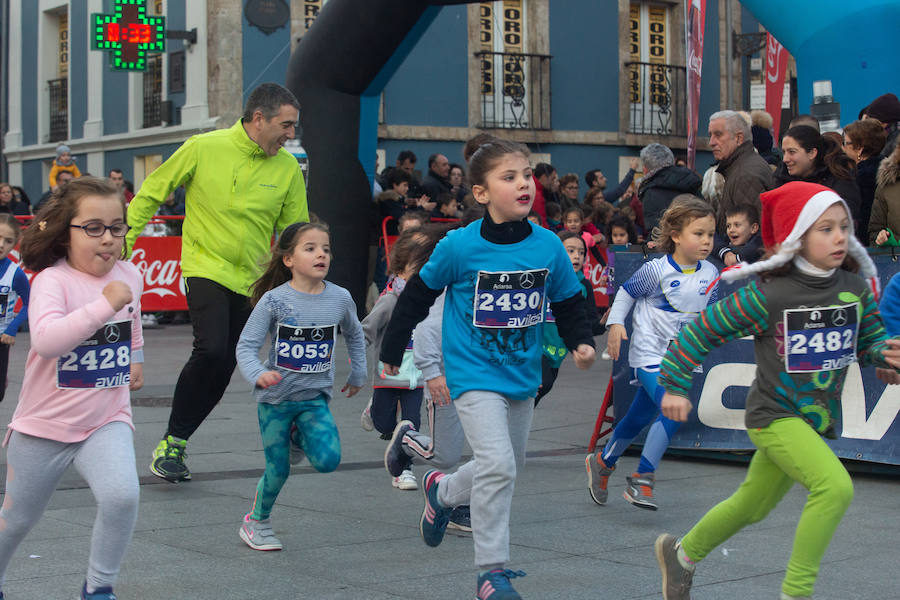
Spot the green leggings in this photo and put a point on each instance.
(788, 450)
(316, 434)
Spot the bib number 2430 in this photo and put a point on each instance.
(510, 298)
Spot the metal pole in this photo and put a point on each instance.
(4, 83)
(729, 56)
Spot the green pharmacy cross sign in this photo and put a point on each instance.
(129, 34)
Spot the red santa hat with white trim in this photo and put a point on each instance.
(787, 213)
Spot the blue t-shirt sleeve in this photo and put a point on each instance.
(563, 282)
(23, 289)
(439, 271)
(890, 306)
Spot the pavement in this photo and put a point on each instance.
(349, 534)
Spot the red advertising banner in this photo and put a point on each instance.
(597, 275)
(159, 259)
(696, 20)
(776, 65)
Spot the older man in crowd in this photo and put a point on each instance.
(746, 173)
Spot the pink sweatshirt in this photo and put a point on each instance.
(67, 307)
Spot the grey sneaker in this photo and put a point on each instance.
(598, 478)
(365, 419)
(676, 580)
(297, 453)
(259, 535)
(639, 490)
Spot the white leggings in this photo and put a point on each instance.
(106, 461)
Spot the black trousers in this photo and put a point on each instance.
(548, 378)
(4, 367)
(218, 316)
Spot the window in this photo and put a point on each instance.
(59, 87)
(655, 87)
(152, 87)
(515, 84)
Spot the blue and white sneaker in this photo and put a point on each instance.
(395, 459)
(434, 516)
(103, 593)
(495, 585)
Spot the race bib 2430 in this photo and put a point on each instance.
(510, 299)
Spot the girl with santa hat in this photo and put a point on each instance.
(811, 317)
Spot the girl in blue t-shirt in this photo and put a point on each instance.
(498, 272)
(13, 286)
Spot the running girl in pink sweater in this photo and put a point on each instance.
(86, 353)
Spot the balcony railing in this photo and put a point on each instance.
(657, 98)
(59, 109)
(515, 90)
(153, 91)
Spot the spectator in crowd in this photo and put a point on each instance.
(596, 179)
(63, 163)
(546, 184)
(884, 225)
(447, 207)
(118, 178)
(62, 179)
(885, 108)
(808, 120)
(437, 181)
(568, 187)
(173, 206)
(863, 140)
(662, 181)
(680, 161)
(599, 209)
(8, 202)
(763, 139)
(811, 157)
(21, 196)
(554, 217)
(458, 182)
(746, 174)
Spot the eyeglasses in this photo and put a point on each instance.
(98, 229)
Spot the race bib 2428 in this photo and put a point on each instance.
(101, 361)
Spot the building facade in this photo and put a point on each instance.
(584, 83)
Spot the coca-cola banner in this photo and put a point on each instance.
(776, 65)
(696, 20)
(159, 259)
(597, 275)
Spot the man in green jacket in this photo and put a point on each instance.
(241, 186)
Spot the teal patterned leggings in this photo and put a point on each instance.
(318, 436)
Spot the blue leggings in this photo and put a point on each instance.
(318, 436)
(643, 409)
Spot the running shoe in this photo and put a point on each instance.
(297, 453)
(405, 481)
(639, 490)
(102, 593)
(434, 519)
(460, 519)
(676, 580)
(168, 460)
(258, 534)
(395, 459)
(598, 477)
(495, 585)
(365, 419)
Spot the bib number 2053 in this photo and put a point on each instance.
(305, 349)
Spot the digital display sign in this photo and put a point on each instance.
(129, 34)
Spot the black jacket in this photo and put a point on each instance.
(657, 191)
(434, 185)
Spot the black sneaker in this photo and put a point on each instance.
(395, 459)
(460, 519)
(168, 460)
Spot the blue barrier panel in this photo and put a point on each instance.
(868, 430)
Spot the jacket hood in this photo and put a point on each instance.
(680, 179)
(389, 195)
(889, 171)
